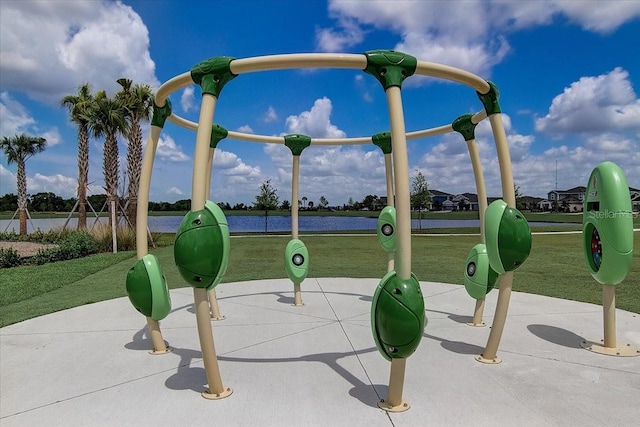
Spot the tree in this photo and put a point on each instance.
(350, 203)
(310, 205)
(420, 196)
(267, 199)
(323, 202)
(304, 201)
(285, 206)
(137, 101)
(80, 107)
(371, 202)
(108, 120)
(518, 196)
(18, 149)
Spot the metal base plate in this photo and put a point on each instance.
(477, 325)
(298, 305)
(627, 350)
(493, 361)
(218, 318)
(159, 352)
(403, 406)
(215, 396)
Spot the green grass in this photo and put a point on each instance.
(556, 267)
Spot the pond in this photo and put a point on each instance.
(275, 223)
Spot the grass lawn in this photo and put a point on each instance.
(555, 268)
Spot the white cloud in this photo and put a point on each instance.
(7, 181)
(75, 42)
(447, 166)
(594, 104)
(52, 136)
(231, 165)
(169, 150)
(335, 172)
(187, 99)
(63, 186)
(175, 190)
(14, 118)
(270, 116)
(601, 17)
(469, 35)
(337, 40)
(245, 129)
(316, 122)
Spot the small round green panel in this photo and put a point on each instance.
(147, 288)
(386, 229)
(139, 288)
(514, 239)
(199, 249)
(508, 237)
(397, 316)
(296, 260)
(492, 217)
(479, 277)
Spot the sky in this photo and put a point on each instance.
(568, 73)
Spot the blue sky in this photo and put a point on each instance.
(568, 74)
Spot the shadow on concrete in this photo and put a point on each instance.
(141, 340)
(456, 346)
(369, 394)
(556, 335)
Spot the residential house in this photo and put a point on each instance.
(466, 201)
(635, 199)
(440, 201)
(569, 200)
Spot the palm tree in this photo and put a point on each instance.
(304, 201)
(80, 107)
(138, 104)
(18, 149)
(108, 120)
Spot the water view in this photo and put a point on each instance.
(245, 224)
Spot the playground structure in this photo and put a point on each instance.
(397, 312)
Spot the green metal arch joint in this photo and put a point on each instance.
(490, 99)
(218, 133)
(212, 74)
(160, 114)
(383, 140)
(390, 67)
(297, 143)
(465, 127)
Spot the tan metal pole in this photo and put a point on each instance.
(213, 305)
(198, 198)
(609, 315)
(401, 181)
(199, 184)
(388, 168)
(394, 400)
(506, 280)
(295, 174)
(159, 346)
(216, 390)
(295, 178)
(482, 207)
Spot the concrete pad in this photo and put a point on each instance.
(317, 365)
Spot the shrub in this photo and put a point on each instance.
(9, 257)
(125, 237)
(76, 244)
